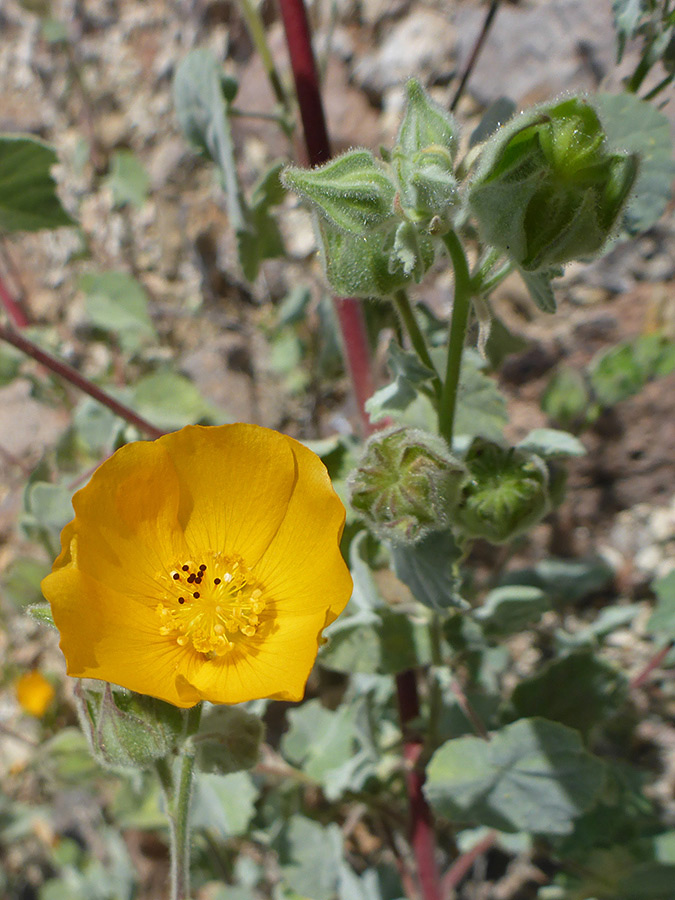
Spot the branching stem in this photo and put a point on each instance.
(458, 323)
(409, 320)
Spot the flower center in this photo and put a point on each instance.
(210, 602)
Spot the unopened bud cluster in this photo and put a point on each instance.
(547, 189)
(375, 219)
(405, 484)
(505, 493)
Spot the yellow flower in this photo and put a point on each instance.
(201, 566)
(34, 693)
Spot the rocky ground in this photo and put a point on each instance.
(107, 87)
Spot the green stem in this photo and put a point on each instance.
(256, 29)
(407, 314)
(178, 808)
(458, 323)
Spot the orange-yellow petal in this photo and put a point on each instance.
(126, 527)
(275, 664)
(113, 637)
(235, 485)
(302, 568)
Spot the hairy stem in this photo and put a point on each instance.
(458, 323)
(68, 373)
(180, 814)
(409, 319)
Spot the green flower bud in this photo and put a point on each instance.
(375, 264)
(127, 730)
(423, 158)
(406, 484)
(425, 124)
(352, 192)
(546, 190)
(428, 185)
(505, 493)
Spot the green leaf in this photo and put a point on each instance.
(128, 179)
(320, 740)
(533, 775)
(49, 504)
(566, 399)
(201, 97)
(68, 756)
(649, 881)
(616, 375)
(130, 730)
(171, 401)
(627, 16)
(662, 620)
(117, 302)
(507, 610)
(383, 642)
(409, 375)
(540, 289)
(366, 595)
(352, 192)
(565, 580)
(501, 343)
(223, 804)
(549, 443)
(10, 364)
(96, 426)
(21, 581)
(481, 408)
(313, 858)
(635, 126)
(578, 690)
(228, 740)
(28, 199)
(655, 353)
(430, 569)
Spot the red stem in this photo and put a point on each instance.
(422, 837)
(12, 308)
(349, 311)
(462, 865)
(653, 663)
(68, 373)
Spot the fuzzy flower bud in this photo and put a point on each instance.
(424, 156)
(405, 484)
(547, 190)
(506, 492)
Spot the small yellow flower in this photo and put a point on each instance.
(34, 693)
(202, 566)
